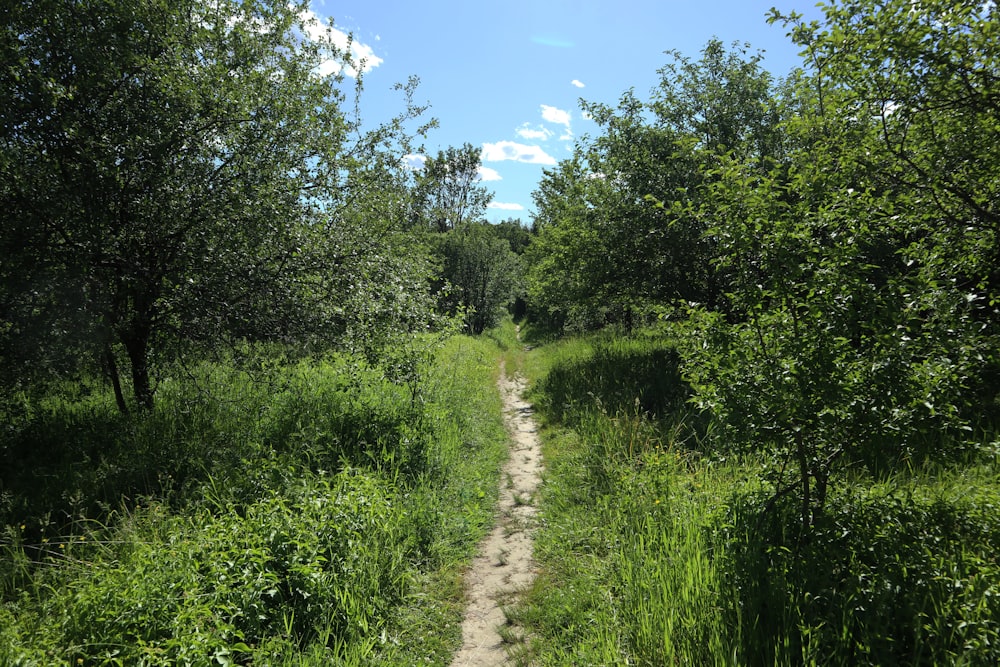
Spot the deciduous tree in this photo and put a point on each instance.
(178, 171)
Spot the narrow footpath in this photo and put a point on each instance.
(505, 565)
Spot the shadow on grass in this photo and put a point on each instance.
(621, 375)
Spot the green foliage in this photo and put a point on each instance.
(447, 193)
(827, 246)
(861, 314)
(603, 248)
(907, 576)
(653, 553)
(184, 172)
(286, 513)
(483, 274)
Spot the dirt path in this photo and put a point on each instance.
(504, 565)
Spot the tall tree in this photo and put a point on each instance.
(173, 170)
(864, 272)
(448, 190)
(620, 252)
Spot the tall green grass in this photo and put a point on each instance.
(655, 551)
(313, 512)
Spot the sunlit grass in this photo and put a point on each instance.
(313, 513)
(655, 551)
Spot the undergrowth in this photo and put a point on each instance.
(308, 513)
(659, 547)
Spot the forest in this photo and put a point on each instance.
(249, 355)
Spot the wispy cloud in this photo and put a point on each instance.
(505, 206)
(538, 133)
(510, 150)
(559, 117)
(362, 57)
(557, 41)
(489, 174)
(578, 83)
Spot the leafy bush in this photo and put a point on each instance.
(304, 513)
(889, 576)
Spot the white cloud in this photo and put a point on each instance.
(510, 150)
(414, 162)
(362, 56)
(504, 206)
(488, 174)
(555, 115)
(533, 133)
(578, 83)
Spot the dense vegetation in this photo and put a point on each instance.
(661, 547)
(239, 424)
(305, 513)
(243, 424)
(826, 245)
(797, 464)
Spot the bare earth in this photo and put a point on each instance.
(504, 565)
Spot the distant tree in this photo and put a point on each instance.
(516, 233)
(448, 190)
(182, 172)
(567, 267)
(484, 274)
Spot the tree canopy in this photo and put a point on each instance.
(186, 171)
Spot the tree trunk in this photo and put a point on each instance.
(804, 475)
(111, 368)
(137, 346)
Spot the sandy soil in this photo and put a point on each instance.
(504, 565)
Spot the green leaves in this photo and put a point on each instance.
(180, 173)
(856, 272)
(483, 275)
(605, 248)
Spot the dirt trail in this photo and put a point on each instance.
(504, 565)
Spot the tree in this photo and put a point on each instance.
(565, 273)
(516, 234)
(178, 172)
(863, 282)
(448, 193)
(483, 273)
(618, 252)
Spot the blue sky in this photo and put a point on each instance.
(508, 76)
